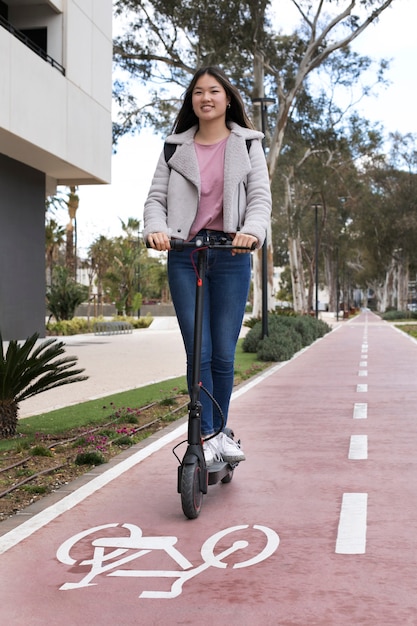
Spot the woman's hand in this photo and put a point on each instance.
(159, 241)
(246, 241)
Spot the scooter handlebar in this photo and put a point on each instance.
(205, 242)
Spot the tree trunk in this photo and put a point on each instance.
(386, 290)
(8, 418)
(258, 269)
(403, 280)
(258, 282)
(71, 252)
(69, 249)
(297, 275)
(330, 269)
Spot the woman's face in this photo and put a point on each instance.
(209, 99)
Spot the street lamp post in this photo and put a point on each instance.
(341, 220)
(138, 268)
(316, 230)
(263, 103)
(337, 285)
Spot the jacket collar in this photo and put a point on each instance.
(237, 161)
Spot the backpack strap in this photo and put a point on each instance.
(169, 149)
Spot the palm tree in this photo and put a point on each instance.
(27, 370)
(54, 238)
(101, 253)
(71, 246)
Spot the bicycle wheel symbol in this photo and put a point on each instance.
(208, 548)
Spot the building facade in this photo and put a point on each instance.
(55, 129)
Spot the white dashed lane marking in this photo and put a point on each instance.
(360, 411)
(351, 534)
(358, 449)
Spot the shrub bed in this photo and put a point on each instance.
(390, 316)
(286, 336)
(80, 325)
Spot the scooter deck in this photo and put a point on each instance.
(218, 471)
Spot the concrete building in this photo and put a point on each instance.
(55, 129)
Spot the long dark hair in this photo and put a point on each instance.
(186, 117)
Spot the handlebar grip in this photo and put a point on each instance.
(177, 244)
(180, 244)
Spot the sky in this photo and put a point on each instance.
(102, 207)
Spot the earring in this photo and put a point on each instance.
(228, 106)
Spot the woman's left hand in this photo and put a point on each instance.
(246, 241)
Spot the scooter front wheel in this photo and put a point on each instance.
(191, 494)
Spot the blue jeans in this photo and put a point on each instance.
(226, 286)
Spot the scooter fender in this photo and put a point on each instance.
(194, 455)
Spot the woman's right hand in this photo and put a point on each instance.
(159, 241)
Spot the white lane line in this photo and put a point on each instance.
(363, 373)
(361, 388)
(351, 534)
(358, 448)
(360, 411)
(363, 364)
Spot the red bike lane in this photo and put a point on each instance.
(316, 527)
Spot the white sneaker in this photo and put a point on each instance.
(211, 453)
(229, 449)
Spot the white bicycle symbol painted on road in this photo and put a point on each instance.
(112, 553)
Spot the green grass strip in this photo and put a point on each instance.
(92, 411)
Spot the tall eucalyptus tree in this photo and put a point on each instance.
(163, 42)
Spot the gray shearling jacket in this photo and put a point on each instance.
(174, 195)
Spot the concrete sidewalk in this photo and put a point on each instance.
(115, 363)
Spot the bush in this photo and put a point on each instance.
(310, 328)
(40, 451)
(64, 294)
(136, 322)
(287, 334)
(252, 338)
(390, 316)
(123, 441)
(89, 458)
(76, 326)
(80, 325)
(280, 345)
(35, 489)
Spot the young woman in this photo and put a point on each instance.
(215, 182)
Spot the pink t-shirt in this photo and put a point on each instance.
(211, 165)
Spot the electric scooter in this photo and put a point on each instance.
(193, 474)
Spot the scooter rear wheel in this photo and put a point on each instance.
(228, 477)
(191, 495)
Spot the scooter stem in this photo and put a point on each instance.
(195, 408)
